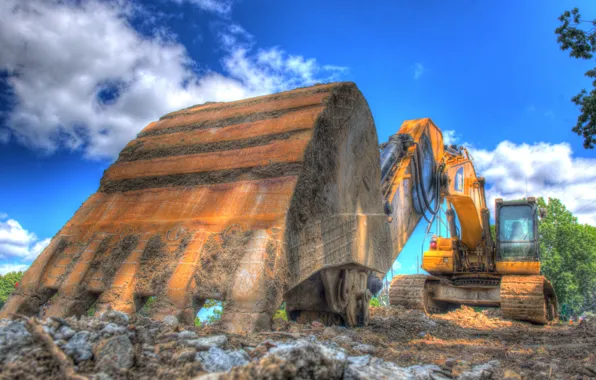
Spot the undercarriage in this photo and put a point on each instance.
(527, 298)
(339, 296)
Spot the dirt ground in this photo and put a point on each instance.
(455, 345)
(530, 351)
(458, 340)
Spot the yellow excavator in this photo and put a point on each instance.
(470, 267)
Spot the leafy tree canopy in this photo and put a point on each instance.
(568, 256)
(7, 285)
(579, 38)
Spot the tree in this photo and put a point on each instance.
(582, 45)
(281, 312)
(568, 257)
(217, 307)
(374, 302)
(7, 285)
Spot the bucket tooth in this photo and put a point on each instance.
(178, 297)
(31, 294)
(73, 298)
(120, 296)
(254, 296)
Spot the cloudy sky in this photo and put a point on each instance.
(79, 79)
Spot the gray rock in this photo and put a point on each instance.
(170, 320)
(423, 371)
(116, 353)
(541, 366)
(64, 332)
(60, 343)
(49, 330)
(151, 355)
(78, 347)
(185, 356)
(344, 340)
(211, 376)
(185, 334)
(112, 329)
(101, 376)
(380, 369)
(145, 336)
(359, 361)
(14, 339)
(218, 360)
(115, 316)
(365, 348)
(312, 360)
(205, 343)
(148, 347)
(478, 372)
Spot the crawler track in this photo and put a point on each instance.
(411, 292)
(528, 298)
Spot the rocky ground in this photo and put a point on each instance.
(398, 344)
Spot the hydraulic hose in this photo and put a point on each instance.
(420, 186)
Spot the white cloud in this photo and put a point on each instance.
(218, 6)
(84, 79)
(7, 268)
(272, 69)
(449, 137)
(550, 170)
(3, 216)
(550, 114)
(18, 243)
(419, 69)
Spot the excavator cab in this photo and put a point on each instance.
(517, 230)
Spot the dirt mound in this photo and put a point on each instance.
(468, 318)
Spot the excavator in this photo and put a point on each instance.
(285, 198)
(470, 267)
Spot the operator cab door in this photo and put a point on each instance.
(517, 237)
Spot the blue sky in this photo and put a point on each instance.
(79, 80)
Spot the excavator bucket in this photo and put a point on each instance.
(240, 201)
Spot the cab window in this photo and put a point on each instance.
(516, 233)
(516, 223)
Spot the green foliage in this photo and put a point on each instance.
(147, 307)
(582, 44)
(91, 311)
(568, 258)
(197, 322)
(281, 312)
(217, 307)
(374, 302)
(7, 285)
